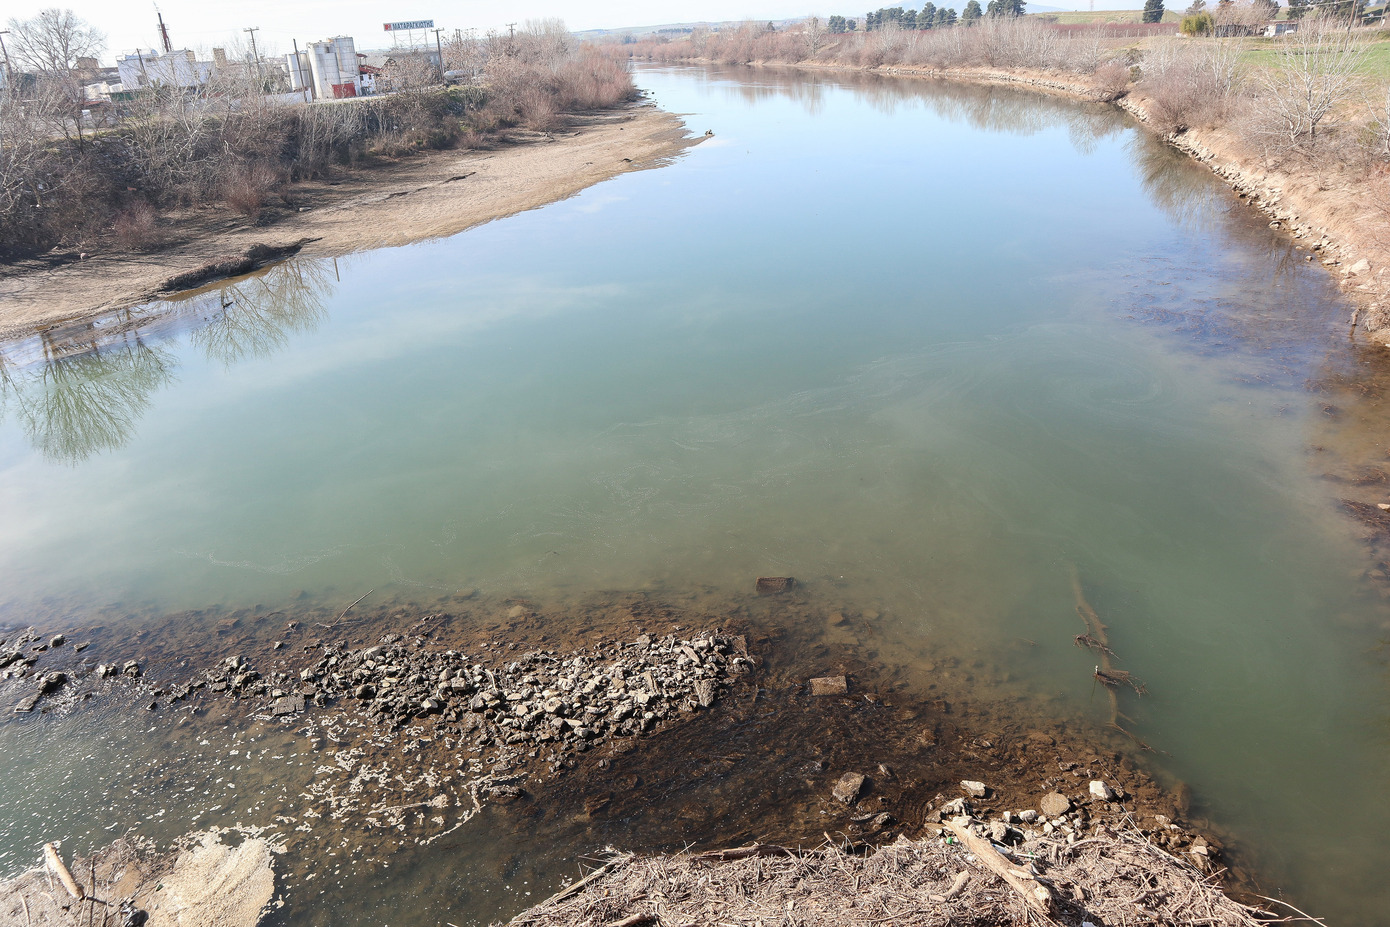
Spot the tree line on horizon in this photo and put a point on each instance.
(930, 16)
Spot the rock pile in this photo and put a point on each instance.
(565, 700)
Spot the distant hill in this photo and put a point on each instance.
(674, 29)
(1084, 17)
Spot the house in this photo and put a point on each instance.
(1280, 27)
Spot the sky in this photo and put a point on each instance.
(203, 24)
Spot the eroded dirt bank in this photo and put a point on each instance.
(430, 195)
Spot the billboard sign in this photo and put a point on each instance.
(410, 25)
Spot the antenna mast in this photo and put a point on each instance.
(164, 32)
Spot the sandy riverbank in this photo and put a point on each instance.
(430, 195)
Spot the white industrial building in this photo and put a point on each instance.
(172, 69)
(328, 68)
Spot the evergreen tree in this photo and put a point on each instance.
(1298, 8)
(1153, 11)
(946, 17)
(1005, 7)
(1196, 7)
(1268, 9)
(927, 18)
(972, 13)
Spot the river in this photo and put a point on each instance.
(926, 347)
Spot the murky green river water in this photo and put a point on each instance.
(925, 347)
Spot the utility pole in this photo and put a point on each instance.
(439, 49)
(164, 32)
(255, 54)
(308, 78)
(511, 38)
(9, 72)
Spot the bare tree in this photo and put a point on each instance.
(1316, 72)
(49, 45)
(52, 41)
(814, 36)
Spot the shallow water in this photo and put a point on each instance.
(927, 348)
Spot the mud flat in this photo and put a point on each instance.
(431, 195)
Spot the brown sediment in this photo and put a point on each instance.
(424, 196)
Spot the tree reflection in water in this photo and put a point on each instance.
(81, 389)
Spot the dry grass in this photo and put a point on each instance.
(1104, 879)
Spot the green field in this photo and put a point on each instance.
(1264, 53)
(1083, 17)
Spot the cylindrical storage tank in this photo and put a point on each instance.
(347, 57)
(324, 62)
(299, 78)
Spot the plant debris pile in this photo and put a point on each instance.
(1114, 878)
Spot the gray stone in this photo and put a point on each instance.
(973, 788)
(1028, 817)
(704, 692)
(999, 832)
(52, 682)
(829, 685)
(849, 787)
(954, 807)
(57, 640)
(130, 668)
(288, 705)
(26, 704)
(1054, 804)
(1100, 791)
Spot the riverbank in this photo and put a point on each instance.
(428, 195)
(629, 721)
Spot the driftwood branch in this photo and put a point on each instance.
(1034, 894)
(55, 863)
(756, 849)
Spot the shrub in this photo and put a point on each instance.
(135, 227)
(1198, 24)
(247, 188)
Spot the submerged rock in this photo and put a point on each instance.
(849, 787)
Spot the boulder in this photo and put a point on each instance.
(973, 788)
(1054, 805)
